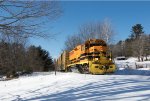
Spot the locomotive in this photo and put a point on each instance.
(91, 57)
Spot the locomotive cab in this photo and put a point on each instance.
(101, 61)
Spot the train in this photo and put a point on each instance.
(93, 56)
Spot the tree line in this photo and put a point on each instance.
(136, 45)
(15, 59)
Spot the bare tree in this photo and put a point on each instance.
(72, 42)
(87, 31)
(147, 46)
(28, 15)
(137, 46)
(102, 30)
(106, 31)
(141, 47)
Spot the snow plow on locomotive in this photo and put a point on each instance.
(91, 57)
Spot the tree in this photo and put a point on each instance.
(136, 45)
(146, 45)
(88, 31)
(118, 49)
(12, 57)
(39, 59)
(106, 31)
(138, 48)
(27, 16)
(128, 47)
(20, 20)
(71, 42)
(137, 37)
(137, 31)
(101, 30)
(4, 58)
(46, 59)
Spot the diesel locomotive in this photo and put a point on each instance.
(93, 57)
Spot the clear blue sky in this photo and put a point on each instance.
(123, 15)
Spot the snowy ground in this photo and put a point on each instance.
(132, 63)
(125, 84)
(131, 66)
(79, 87)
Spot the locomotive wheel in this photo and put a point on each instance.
(85, 68)
(80, 69)
(68, 69)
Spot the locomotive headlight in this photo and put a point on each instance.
(96, 58)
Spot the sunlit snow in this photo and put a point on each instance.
(124, 85)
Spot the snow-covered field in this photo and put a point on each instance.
(79, 87)
(124, 85)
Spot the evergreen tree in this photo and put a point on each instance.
(46, 59)
(40, 59)
(137, 31)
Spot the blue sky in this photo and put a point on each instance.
(123, 15)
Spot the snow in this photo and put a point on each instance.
(126, 84)
(132, 63)
(74, 86)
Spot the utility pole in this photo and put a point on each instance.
(55, 70)
(55, 65)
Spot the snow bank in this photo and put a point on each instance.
(132, 63)
(132, 67)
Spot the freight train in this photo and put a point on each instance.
(93, 57)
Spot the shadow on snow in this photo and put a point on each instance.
(110, 90)
(132, 72)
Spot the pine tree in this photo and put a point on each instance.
(46, 59)
(137, 37)
(40, 60)
(137, 31)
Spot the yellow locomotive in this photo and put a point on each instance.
(91, 57)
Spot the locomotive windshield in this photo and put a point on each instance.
(97, 44)
(92, 43)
